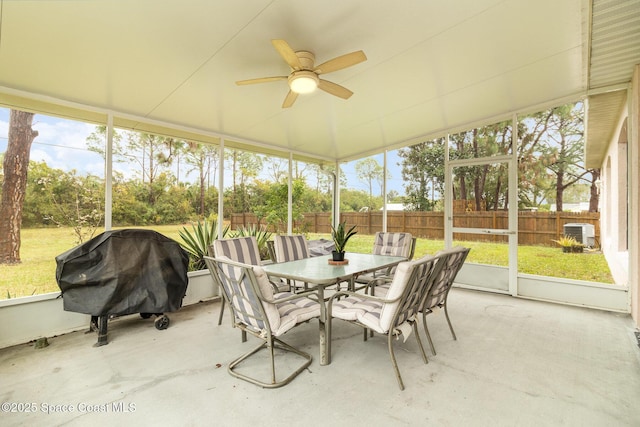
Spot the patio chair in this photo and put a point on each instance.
(291, 248)
(272, 250)
(385, 243)
(395, 314)
(451, 261)
(243, 250)
(259, 311)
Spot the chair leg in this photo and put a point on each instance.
(272, 383)
(393, 360)
(415, 332)
(327, 331)
(222, 303)
(446, 313)
(273, 362)
(426, 331)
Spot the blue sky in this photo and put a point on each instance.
(57, 143)
(62, 145)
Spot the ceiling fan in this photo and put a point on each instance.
(304, 77)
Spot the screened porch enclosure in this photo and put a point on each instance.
(476, 108)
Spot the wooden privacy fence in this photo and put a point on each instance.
(534, 228)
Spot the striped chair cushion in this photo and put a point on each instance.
(354, 308)
(453, 259)
(374, 314)
(290, 248)
(285, 315)
(382, 290)
(239, 249)
(396, 288)
(395, 244)
(238, 287)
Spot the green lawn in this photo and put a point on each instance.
(36, 273)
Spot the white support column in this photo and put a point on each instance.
(290, 197)
(108, 175)
(220, 188)
(384, 193)
(513, 209)
(448, 198)
(336, 195)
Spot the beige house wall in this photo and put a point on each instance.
(634, 178)
(620, 199)
(613, 204)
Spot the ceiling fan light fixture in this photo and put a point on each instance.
(303, 81)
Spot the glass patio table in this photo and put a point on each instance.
(318, 272)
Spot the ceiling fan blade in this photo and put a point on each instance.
(289, 99)
(288, 54)
(335, 89)
(261, 80)
(341, 62)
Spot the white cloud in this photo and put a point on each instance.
(60, 143)
(38, 155)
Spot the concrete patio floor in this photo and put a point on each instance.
(516, 363)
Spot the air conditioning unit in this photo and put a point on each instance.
(583, 233)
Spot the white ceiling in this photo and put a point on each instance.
(432, 66)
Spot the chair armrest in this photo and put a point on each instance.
(376, 282)
(360, 295)
(312, 295)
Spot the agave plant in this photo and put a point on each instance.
(197, 241)
(261, 234)
(341, 236)
(567, 241)
(569, 244)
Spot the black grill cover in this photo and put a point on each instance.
(123, 272)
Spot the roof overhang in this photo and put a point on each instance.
(614, 52)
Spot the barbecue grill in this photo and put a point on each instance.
(123, 272)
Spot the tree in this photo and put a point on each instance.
(150, 152)
(275, 209)
(536, 183)
(483, 187)
(354, 200)
(324, 177)
(72, 201)
(278, 169)
(551, 155)
(423, 173)
(568, 150)
(369, 170)
(203, 158)
(245, 165)
(15, 166)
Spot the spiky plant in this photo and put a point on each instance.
(341, 236)
(261, 234)
(197, 241)
(567, 241)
